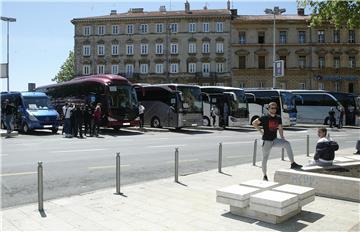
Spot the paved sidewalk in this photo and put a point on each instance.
(191, 205)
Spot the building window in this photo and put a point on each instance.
(115, 29)
(242, 85)
(302, 86)
(206, 27)
(174, 68)
(261, 37)
(159, 48)
(206, 47)
(282, 85)
(100, 69)
(115, 49)
(352, 62)
(143, 28)
(242, 37)
(115, 69)
(321, 86)
(159, 68)
(129, 69)
(159, 28)
(337, 86)
(302, 61)
(220, 67)
(192, 27)
(174, 28)
(219, 47)
(321, 62)
(101, 50)
(130, 49)
(87, 30)
(86, 69)
(261, 62)
(336, 35)
(206, 68)
(192, 48)
(174, 48)
(86, 50)
(242, 62)
(219, 27)
(144, 68)
(321, 36)
(101, 30)
(144, 49)
(282, 37)
(336, 62)
(192, 67)
(205, 84)
(284, 59)
(351, 36)
(261, 84)
(302, 37)
(130, 29)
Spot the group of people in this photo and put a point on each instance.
(332, 120)
(77, 116)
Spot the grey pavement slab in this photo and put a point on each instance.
(165, 205)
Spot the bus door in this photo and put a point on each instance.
(231, 107)
(174, 107)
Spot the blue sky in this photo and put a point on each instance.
(42, 36)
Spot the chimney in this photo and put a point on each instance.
(233, 13)
(187, 7)
(31, 87)
(301, 11)
(162, 9)
(228, 5)
(113, 12)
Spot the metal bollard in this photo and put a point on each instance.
(40, 187)
(254, 154)
(307, 145)
(282, 154)
(177, 164)
(118, 173)
(220, 157)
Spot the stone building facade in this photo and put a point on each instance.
(185, 46)
(315, 58)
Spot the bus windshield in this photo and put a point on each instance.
(37, 103)
(192, 101)
(288, 101)
(239, 108)
(122, 96)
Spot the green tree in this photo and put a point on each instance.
(338, 13)
(67, 70)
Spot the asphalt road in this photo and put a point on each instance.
(73, 166)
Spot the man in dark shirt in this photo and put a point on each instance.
(8, 110)
(271, 123)
(332, 117)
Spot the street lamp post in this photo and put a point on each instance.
(274, 12)
(8, 20)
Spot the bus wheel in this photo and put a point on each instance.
(206, 121)
(25, 128)
(155, 122)
(54, 130)
(253, 119)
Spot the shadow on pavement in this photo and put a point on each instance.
(190, 132)
(122, 132)
(241, 129)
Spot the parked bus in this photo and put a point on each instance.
(258, 100)
(115, 93)
(229, 102)
(171, 105)
(33, 111)
(314, 106)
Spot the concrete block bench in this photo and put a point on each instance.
(268, 201)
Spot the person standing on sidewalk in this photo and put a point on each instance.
(332, 119)
(271, 123)
(67, 108)
(341, 117)
(141, 114)
(97, 119)
(9, 112)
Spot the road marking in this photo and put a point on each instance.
(183, 161)
(107, 167)
(171, 145)
(17, 174)
(83, 150)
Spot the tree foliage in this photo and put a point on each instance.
(338, 13)
(67, 70)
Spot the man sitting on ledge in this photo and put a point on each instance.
(325, 149)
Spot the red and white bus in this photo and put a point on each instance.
(115, 93)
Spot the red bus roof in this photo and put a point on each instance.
(99, 78)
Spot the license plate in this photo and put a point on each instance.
(126, 123)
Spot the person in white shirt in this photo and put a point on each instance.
(67, 108)
(141, 114)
